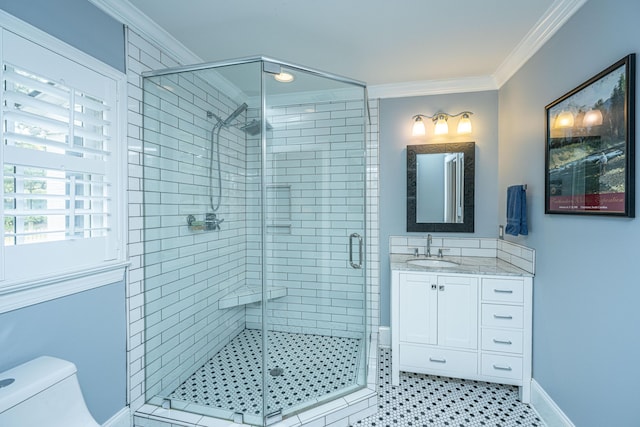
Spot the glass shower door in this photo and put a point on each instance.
(314, 302)
(203, 254)
(254, 232)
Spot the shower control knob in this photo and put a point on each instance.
(212, 222)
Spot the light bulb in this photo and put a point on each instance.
(418, 127)
(442, 128)
(464, 125)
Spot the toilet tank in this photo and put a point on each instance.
(43, 392)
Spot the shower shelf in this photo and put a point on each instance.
(249, 294)
(278, 214)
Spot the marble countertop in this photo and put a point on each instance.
(466, 265)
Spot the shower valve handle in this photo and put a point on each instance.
(212, 222)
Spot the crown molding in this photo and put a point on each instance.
(433, 87)
(137, 21)
(131, 16)
(553, 19)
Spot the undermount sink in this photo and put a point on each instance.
(430, 262)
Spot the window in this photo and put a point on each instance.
(61, 195)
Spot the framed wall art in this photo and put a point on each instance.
(590, 145)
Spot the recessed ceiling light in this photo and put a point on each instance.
(284, 77)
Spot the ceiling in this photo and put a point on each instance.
(380, 42)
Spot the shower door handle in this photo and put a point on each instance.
(353, 264)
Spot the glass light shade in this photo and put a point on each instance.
(564, 120)
(464, 125)
(442, 128)
(592, 118)
(284, 77)
(418, 127)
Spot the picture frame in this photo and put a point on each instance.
(590, 146)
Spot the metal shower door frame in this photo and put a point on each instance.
(361, 238)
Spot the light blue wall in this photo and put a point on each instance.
(587, 285)
(395, 135)
(76, 22)
(88, 329)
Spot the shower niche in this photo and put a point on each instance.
(252, 191)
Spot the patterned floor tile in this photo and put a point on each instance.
(302, 367)
(432, 401)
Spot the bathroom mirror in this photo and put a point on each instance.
(440, 187)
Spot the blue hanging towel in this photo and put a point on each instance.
(516, 210)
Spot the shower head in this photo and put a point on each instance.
(235, 114)
(253, 127)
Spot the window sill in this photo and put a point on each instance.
(19, 295)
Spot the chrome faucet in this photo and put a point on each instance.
(428, 251)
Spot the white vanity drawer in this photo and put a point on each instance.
(502, 316)
(494, 365)
(503, 290)
(504, 340)
(419, 358)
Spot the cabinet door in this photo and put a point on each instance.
(417, 311)
(458, 312)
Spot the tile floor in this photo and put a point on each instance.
(432, 401)
(304, 367)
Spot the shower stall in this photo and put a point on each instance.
(254, 226)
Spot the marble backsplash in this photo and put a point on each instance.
(518, 255)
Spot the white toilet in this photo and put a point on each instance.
(43, 392)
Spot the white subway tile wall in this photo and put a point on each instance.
(142, 56)
(518, 255)
(373, 235)
(188, 271)
(315, 157)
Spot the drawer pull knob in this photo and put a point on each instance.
(433, 287)
(503, 291)
(497, 316)
(508, 342)
(431, 359)
(502, 368)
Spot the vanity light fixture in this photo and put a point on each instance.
(464, 125)
(441, 126)
(418, 126)
(284, 77)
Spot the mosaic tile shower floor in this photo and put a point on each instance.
(432, 401)
(312, 366)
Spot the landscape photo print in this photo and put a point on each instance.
(590, 145)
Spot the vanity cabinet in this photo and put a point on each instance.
(462, 325)
(438, 310)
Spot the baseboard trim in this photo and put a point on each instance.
(544, 405)
(384, 336)
(121, 419)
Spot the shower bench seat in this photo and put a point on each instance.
(248, 294)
